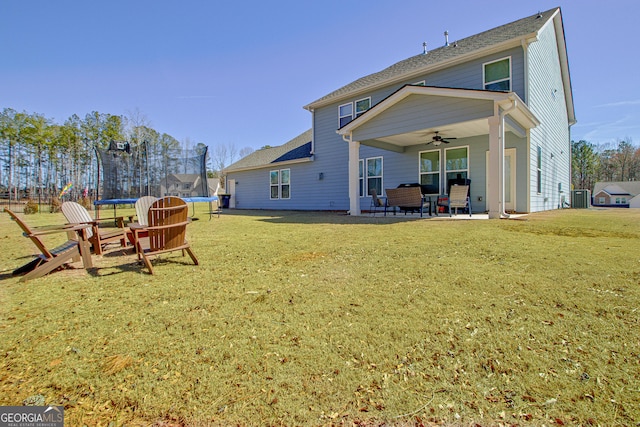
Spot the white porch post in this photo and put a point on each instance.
(354, 177)
(495, 174)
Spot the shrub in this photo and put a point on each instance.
(55, 206)
(86, 203)
(31, 207)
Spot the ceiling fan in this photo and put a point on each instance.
(437, 139)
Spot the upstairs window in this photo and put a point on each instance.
(346, 111)
(362, 105)
(497, 75)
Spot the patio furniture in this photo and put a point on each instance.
(166, 232)
(404, 198)
(74, 249)
(77, 214)
(376, 202)
(458, 198)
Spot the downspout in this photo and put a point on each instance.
(502, 115)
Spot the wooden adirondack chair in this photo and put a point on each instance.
(48, 260)
(77, 214)
(166, 232)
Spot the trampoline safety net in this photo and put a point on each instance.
(130, 172)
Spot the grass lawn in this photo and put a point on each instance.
(305, 318)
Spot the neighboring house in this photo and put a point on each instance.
(616, 194)
(182, 185)
(495, 108)
(635, 202)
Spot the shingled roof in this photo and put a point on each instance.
(463, 48)
(299, 148)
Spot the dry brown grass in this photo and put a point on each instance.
(323, 319)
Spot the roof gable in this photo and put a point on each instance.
(617, 187)
(297, 149)
(499, 38)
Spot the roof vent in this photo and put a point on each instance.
(539, 15)
(424, 48)
(446, 38)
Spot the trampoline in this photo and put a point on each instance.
(130, 172)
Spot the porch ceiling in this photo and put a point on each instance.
(422, 136)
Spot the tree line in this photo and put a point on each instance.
(40, 158)
(603, 162)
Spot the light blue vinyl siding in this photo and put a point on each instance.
(418, 112)
(547, 102)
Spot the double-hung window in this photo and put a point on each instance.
(346, 111)
(456, 163)
(280, 184)
(374, 175)
(430, 170)
(362, 106)
(497, 75)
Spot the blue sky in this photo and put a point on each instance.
(239, 72)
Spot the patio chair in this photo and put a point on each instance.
(142, 208)
(376, 202)
(74, 249)
(166, 232)
(458, 199)
(77, 214)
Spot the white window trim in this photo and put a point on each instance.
(484, 67)
(366, 175)
(439, 172)
(539, 171)
(361, 179)
(279, 184)
(354, 114)
(340, 117)
(357, 114)
(446, 171)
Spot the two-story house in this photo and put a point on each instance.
(494, 108)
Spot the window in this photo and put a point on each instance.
(430, 171)
(539, 170)
(456, 163)
(601, 200)
(497, 75)
(362, 105)
(346, 113)
(186, 186)
(621, 200)
(374, 175)
(361, 177)
(280, 184)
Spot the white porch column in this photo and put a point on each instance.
(354, 178)
(494, 174)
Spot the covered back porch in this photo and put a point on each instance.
(476, 120)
